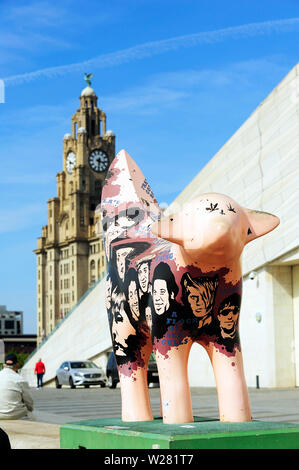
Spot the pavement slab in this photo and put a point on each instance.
(25, 434)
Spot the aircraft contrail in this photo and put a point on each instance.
(150, 49)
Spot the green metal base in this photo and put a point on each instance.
(203, 433)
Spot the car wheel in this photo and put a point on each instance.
(57, 384)
(86, 386)
(71, 383)
(103, 385)
(111, 383)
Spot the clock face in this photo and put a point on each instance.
(98, 160)
(70, 162)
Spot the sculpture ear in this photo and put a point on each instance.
(260, 223)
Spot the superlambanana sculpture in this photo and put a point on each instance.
(171, 282)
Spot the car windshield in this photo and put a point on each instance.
(83, 365)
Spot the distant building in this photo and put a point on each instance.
(19, 344)
(70, 257)
(11, 323)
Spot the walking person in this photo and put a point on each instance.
(39, 370)
(15, 397)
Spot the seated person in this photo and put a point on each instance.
(15, 397)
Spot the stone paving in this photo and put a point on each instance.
(55, 407)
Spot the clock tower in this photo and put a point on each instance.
(70, 256)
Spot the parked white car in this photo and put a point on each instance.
(75, 373)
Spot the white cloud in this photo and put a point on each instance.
(16, 219)
(28, 179)
(143, 100)
(39, 114)
(150, 49)
(173, 89)
(39, 13)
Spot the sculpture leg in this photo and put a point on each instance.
(174, 385)
(233, 399)
(136, 405)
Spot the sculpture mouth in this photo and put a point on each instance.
(159, 308)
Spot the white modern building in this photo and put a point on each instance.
(259, 168)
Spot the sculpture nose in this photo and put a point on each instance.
(168, 229)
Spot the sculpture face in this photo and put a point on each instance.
(160, 296)
(134, 299)
(228, 315)
(173, 281)
(121, 327)
(196, 302)
(121, 256)
(143, 276)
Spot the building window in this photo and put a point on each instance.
(97, 187)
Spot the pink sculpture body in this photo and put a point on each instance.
(171, 282)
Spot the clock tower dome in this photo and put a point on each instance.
(70, 256)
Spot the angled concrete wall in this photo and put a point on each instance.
(259, 168)
(82, 334)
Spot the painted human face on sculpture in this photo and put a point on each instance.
(117, 227)
(196, 302)
(143, 276)
(228, 315)
(121, 256)
(133, 299)
(108, 293)
(161, 296)
(121, 326)
(199, 294)
(148, 317)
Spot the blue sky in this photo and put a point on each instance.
(175, 78)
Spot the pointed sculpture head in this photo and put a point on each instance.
(214, 227)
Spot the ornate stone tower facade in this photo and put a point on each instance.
(70, 257)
